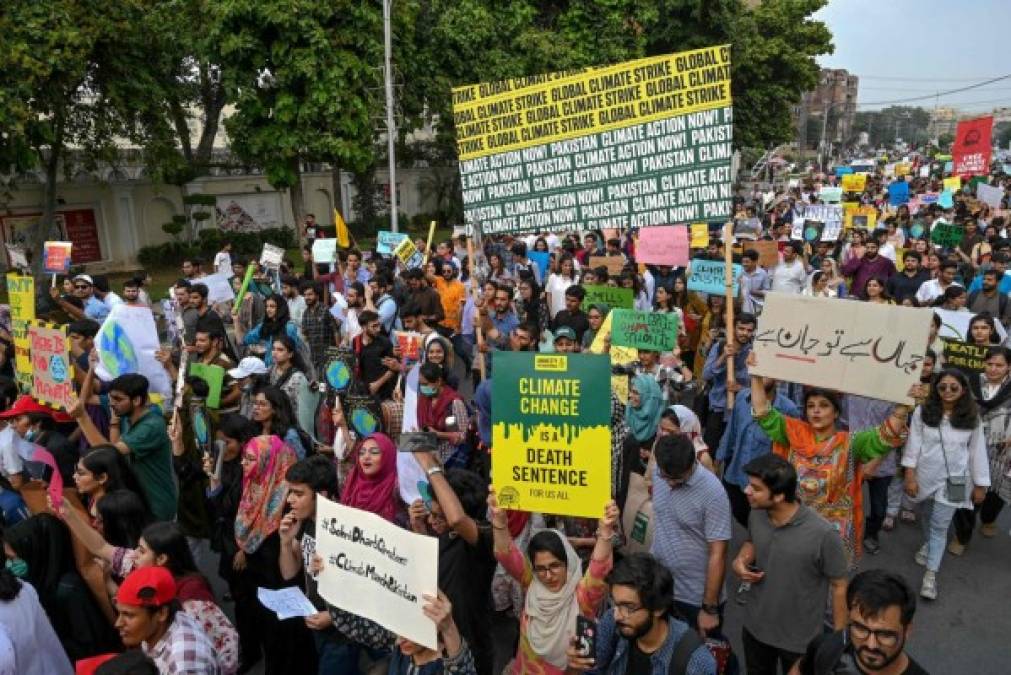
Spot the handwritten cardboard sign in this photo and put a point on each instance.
(272, 256)
(707, 276)
(21, 296)
(700, 235)
(376, 569)
(665, 245)
(829, 214)
(768, 252)
(748, 229)
(609, 295)
(614, 264)
(854, 347)
(656, 331)
(324, 250)
(56, 256)
(408, 254)
(854, 182)
(969, 358)
(52, 377)
(387, 242)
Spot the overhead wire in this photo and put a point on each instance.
(937, 94)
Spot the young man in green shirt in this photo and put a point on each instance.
(137, 429)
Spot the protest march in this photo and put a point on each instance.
(631, 416)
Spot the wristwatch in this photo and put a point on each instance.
(714, 610)
(433, 470)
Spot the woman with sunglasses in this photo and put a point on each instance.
(946, 464)
(557, 591)
(992, 390)
(830, 463)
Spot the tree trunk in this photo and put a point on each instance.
(297, 200)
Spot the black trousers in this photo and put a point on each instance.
(877, 489)
(630, 461)
(715, 426)
(738, 503)
(761, 659)
(965, 519)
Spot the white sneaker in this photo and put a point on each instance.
(921, 556)
(929, 588)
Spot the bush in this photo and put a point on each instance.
(209, 242)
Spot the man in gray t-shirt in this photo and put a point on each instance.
(791, 559)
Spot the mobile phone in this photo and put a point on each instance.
(39, 471)
(752, 567)
(425, 490)
(418, 441)
(586, 636)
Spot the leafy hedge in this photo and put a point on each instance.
(210, 241)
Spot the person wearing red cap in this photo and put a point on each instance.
(35, 422)
(150, 618)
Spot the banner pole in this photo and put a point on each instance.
(728, 286)
(475, 294)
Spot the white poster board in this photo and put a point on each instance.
(853, 347)
(272, 256)
(376, 569)
(219, 287)
(126, 343)
(324, 250)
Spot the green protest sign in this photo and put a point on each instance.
(969, 358)
(551, 430)
(214, 376)
(655, 331)
(946, 235)
(613, 297)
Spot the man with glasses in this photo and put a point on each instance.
(640, 634)
(881, 607)
(693, 513)
(84, 290)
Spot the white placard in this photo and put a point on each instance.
(990, 195)
(324, 250)
(286, 603)
(831, 215)
(854, 347)
(376, 569)
(17, 256)
(219, 287)
(126, 343)
(272, 256)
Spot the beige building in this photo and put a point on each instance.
(836, 93)
(943, 120)
(110, 215)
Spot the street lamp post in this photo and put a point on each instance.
(391, 125)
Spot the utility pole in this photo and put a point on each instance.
(391, 125)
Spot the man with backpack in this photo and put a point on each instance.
(640, 634)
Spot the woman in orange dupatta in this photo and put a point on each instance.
(830, 463)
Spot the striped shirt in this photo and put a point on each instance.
(687, 519)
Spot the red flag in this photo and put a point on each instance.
(973, 146)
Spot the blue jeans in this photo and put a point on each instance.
(335, 657)
(935, 519)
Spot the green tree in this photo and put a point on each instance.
(303, 78)
(58, 90)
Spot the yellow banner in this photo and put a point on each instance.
(953, 184)
(21, 295)
(854, 182)
(862, 216)
(499, 117)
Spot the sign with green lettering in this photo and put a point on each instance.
(656, 331)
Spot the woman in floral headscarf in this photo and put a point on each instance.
(265, 461)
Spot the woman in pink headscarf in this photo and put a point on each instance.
(372, 485)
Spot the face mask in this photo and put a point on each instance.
(427, 390)
(30, 435)
(18, 567)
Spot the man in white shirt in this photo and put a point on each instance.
(223, 260)
(296, 303)
(935, 288)
(754, 283)
(790, 275)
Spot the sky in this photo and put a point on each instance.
(907, 48)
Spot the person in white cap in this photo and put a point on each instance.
(249, 370)
(84, 290)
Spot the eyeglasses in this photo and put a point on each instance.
(553, 568)
(626, 609)
(953, 388)
(885, 638)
